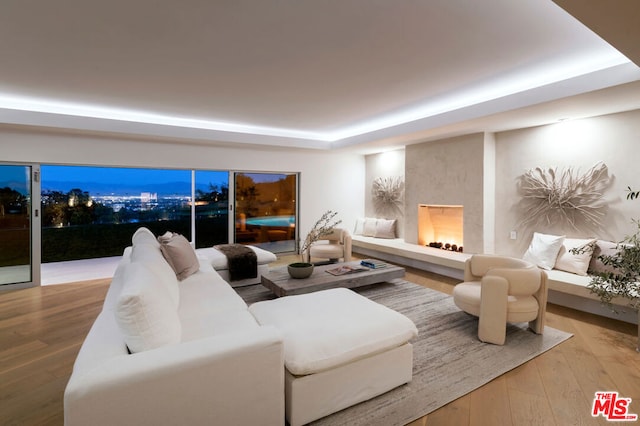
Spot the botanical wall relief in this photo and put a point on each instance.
(567, 197)
(388, 196)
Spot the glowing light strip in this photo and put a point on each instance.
(499, 87)
(51, 106)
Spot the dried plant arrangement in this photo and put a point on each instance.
(324, 226)
(564, 197)
(387, 194)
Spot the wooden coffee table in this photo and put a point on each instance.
(279, 282)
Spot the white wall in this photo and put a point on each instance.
(329, 180)
(613, 139)
(384, 165)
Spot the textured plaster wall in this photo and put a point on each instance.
(613, 139)
(450, 172)
(384, 165)
(328, 180)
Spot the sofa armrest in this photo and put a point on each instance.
(236, 378)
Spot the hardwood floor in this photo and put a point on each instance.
(42, 328)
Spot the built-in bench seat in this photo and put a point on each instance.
(398, 251)
(571, 290)
(565, 288)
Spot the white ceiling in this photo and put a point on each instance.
(312, 74)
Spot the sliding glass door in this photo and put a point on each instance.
(266, 210)
(19, 226)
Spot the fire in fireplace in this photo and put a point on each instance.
(440, 226)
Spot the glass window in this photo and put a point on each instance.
(265, 213)
(212, 207)
(90, 212)
(15, 224)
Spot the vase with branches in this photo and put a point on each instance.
(323, 227)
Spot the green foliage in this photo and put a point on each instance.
(625, 281)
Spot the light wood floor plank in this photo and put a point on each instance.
(491, 407)
(41, 330)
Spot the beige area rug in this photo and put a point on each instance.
(449, 360)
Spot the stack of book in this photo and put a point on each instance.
(373, 263)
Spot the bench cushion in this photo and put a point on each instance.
(219, 260)
(329, 328)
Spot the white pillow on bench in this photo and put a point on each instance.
(543, 250)
(576, 263)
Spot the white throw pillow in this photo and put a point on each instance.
(145, 312)
(143, 235)
(385, 228)
(179, 254)
(151, 256)
(543, 250)
(369, 229)
(575, 263)
(359, 229)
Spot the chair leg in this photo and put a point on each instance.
(492, 325)
(537, 325)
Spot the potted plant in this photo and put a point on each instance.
(324, 226)
(624, 281)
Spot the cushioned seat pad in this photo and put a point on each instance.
(521, 309)
(219, 260)
(329, 251)
(329, 328)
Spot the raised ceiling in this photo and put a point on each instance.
(292, 73)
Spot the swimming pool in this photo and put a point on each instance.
(272, 221)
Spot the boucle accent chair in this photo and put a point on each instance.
(500, 290)
(334, 246)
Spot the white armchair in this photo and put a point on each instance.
(499, 290)
(334, 246)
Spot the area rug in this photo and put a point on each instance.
(449, 360)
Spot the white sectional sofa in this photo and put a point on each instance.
(211, 362)
(175, 344)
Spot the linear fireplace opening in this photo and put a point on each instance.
(440, 226)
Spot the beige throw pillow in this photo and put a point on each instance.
(369, 229)
(577, 263)
(385, 228)
(179, 254)
(603, 248)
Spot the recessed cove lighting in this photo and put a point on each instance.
(61, 113)
(51, 106)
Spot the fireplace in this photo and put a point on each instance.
(440, 226)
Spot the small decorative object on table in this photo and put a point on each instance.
(346, 269)
(324, 226)
(300, 269)
(373, 263)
